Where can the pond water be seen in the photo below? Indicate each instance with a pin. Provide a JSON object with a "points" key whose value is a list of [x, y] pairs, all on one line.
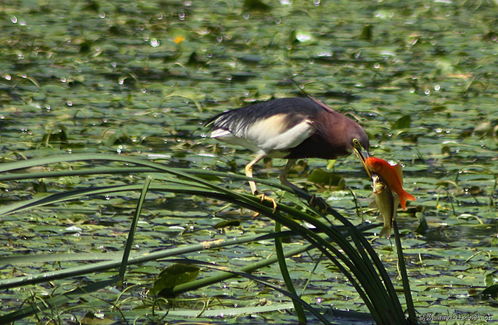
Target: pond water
{"points": [[139, 78]]}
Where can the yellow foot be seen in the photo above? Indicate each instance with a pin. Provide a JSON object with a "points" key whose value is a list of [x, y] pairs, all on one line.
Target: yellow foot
{"points": [[264, 197]]}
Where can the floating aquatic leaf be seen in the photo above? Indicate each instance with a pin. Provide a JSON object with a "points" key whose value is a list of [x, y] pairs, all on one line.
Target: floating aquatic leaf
{"points": [[227, 223], [172, 276], [325, 178], [491, 291], [403, 122], [301, 36], [257, 5]]}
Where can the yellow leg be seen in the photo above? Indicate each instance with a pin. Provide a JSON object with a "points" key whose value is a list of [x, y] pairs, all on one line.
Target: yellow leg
{"points": [[248, 168], [252, 184]]}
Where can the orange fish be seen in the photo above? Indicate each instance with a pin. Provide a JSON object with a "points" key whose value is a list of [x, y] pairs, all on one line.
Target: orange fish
{"points": [[391, 174]]}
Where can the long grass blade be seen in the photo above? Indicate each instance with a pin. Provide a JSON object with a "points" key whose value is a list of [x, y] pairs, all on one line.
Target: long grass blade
{"points": [[222, 276], [133, 229], [142, 258], [367, 262], [412, 316], [286, 276], [350, 252]]}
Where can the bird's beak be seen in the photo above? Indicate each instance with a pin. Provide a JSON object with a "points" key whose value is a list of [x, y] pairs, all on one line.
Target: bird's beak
{"points": [[362, 154]]}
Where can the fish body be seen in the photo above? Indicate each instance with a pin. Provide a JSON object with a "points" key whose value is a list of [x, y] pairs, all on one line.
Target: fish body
{"points": [[386, 203], [391, 175]]}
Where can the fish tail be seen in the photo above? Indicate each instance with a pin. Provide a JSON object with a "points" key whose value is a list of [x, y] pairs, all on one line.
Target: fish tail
{"points": [[386, 231], [405, 196]]}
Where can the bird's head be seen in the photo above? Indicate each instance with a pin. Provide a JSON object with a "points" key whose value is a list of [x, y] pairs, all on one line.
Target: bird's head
{"points": [[360, 148]]}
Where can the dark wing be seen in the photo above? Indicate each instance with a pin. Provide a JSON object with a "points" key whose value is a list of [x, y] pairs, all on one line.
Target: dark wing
{"points": [[295, 111], [275, 125]]}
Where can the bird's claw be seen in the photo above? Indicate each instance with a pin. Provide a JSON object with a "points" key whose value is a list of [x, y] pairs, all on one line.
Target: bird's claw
{"points": [[262, 197]]}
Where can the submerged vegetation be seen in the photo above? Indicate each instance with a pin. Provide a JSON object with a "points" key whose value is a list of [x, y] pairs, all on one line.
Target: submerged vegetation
{"points": [[115, 207]]}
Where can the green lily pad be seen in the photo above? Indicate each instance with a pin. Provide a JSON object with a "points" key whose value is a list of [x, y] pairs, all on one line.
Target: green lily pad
{"points": [[172, 276]]}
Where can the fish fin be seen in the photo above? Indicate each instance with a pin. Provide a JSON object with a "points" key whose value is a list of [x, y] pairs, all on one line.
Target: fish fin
{"points": [[406, 197], [402, 201]]}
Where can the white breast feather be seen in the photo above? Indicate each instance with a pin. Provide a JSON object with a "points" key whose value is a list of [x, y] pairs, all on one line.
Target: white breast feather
{"points": [[286, 140]]}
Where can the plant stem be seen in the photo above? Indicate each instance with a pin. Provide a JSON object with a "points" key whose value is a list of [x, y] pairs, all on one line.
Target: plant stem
{"points": [[412, 317], [285, 274]]}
